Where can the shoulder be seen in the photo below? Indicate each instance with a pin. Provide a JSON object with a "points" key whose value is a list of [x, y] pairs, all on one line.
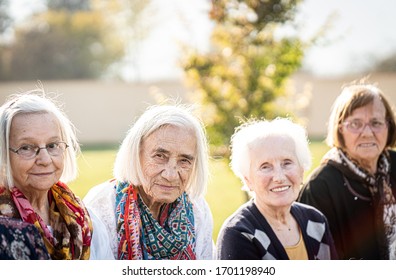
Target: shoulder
{"points": [[202, 212], [324, 172], [100, 244], [307, 211], [322, 179], [245, 218], [392, 155], [200, 203], [100, 202], [203, 228], [103, 190]]}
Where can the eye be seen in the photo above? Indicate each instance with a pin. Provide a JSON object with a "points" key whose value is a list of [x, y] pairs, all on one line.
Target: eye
{"points": [[376, 123], [356, 124], [288, 163], [159, 156], [53, 145], [265, 166], [27, 148], [185, 162]]}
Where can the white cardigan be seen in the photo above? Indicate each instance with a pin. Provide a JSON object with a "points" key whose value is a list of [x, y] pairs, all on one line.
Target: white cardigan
{"points": [[101, 200]]}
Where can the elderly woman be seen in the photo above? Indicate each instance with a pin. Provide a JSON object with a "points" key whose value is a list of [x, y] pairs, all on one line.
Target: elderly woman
{"points": [[355, 184], [270, 158], [154, 207], [38, 150]]}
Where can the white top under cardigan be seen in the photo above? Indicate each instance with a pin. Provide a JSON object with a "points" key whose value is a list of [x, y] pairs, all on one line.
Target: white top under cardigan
{"points": [[101, 199]]}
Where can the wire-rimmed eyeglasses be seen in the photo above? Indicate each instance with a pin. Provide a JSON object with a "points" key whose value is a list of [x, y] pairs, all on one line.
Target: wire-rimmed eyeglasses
{"points": [[30, 151], [357, 126]]}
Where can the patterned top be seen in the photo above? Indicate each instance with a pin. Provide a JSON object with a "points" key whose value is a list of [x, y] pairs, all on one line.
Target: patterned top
{"points": [[21, 241], [246, 235]]}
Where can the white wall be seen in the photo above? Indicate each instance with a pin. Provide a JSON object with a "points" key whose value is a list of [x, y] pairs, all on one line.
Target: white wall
{"points": [[103, 111]]}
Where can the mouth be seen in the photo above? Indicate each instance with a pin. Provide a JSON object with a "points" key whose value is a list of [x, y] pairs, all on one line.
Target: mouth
{"points": [[43, 174], [280, 189], [167, 187], [367, 145]]}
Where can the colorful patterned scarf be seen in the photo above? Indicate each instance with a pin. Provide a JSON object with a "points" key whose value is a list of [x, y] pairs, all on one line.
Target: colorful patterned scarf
{"points": [[141, 236], [381, 195], [71, 227]]}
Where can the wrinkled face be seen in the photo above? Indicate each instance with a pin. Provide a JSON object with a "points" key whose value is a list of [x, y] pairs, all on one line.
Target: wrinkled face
{"points": [[42, 171], [275, 174], [366, 146], [167, 158]]}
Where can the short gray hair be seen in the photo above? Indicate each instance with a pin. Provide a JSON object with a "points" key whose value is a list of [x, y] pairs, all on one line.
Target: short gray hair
{"points": [[127, 165], [35, 102], [252, 130]]}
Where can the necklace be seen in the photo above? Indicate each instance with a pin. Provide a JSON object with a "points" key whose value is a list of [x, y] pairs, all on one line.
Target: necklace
{"points": [[282, 229], [279, 226]]}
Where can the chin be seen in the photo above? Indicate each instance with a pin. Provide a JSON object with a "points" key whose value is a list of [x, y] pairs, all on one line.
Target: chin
{"points": [[167, 199]]}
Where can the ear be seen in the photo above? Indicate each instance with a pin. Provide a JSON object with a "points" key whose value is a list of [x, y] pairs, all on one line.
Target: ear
{"points": [[247, 182]]}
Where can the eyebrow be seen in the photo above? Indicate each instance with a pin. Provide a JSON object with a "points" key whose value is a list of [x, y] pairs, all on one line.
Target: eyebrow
{"points": [[187, 156], [31, 139], [371, 119]]}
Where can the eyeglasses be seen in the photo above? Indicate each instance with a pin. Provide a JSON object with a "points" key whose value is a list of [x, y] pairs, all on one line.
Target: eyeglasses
{"points": [[30, 151], [357, 126]]}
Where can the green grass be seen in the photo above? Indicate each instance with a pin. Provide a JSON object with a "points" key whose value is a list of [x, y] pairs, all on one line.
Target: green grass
{"points": [[224, 194]]}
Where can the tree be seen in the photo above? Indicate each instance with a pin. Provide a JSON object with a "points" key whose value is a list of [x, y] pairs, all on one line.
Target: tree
{"points": [[247, 69], [67, 42], [78, 39], [68, 5], [62, 45], [132, 20], [5, 19]]}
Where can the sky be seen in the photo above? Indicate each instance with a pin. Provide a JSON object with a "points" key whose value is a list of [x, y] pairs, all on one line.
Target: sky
{"points": [[360, 32]]}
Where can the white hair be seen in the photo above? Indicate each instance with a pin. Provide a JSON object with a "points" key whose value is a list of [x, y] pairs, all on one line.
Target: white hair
{"points": [[35, 102], [252, 130], [127, 165]]}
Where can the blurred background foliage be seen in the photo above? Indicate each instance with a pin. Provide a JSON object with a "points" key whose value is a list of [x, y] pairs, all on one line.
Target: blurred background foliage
{"points": [[247, 67], [68, 40], [94, 39]]}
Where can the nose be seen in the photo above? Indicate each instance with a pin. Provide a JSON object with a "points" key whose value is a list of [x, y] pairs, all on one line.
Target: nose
{"points": [[170, 172], [279, 175], [43, 157], [367, 129]]}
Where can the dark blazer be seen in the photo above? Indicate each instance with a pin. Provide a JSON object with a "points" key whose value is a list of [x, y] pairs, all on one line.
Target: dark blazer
{"points": [[349, 209]]}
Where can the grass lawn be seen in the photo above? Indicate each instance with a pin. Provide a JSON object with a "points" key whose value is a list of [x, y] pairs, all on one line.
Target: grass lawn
{"points": [[224, 194]]}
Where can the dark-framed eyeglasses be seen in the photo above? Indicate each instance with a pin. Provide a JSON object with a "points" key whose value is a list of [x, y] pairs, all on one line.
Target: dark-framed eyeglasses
{"points": [[30, 151], [357, 126]]}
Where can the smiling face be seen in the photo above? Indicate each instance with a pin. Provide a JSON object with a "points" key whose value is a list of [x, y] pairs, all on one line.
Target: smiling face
{"points": [[365, 147], [167, 158], [42, 171], [275, 173]]}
